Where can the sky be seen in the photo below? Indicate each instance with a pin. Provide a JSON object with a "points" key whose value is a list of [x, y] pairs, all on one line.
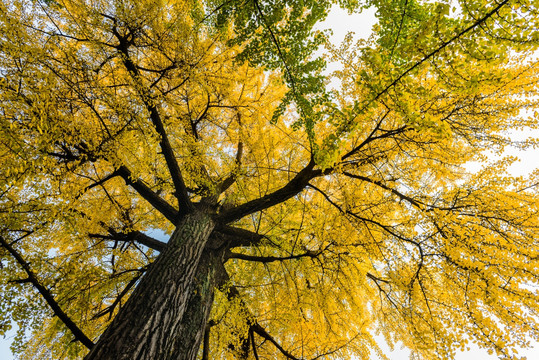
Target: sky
{"points": [[340, 22]]}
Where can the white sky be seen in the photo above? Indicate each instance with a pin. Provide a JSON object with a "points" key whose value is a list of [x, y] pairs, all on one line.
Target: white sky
{"points": [[341, 23]]}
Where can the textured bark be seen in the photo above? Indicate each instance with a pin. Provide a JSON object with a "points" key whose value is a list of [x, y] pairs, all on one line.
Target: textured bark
{"points": [[164, 318], [196, 317]]}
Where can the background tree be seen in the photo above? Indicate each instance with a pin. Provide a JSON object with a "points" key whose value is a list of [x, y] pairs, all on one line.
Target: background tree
{"points": [[302, 221]]}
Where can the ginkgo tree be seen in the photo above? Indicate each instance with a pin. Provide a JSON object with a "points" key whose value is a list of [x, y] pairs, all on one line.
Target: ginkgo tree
{"points": [[303, 221]]}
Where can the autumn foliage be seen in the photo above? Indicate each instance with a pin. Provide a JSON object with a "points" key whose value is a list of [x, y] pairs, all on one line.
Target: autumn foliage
{"points": [[324, 216]]}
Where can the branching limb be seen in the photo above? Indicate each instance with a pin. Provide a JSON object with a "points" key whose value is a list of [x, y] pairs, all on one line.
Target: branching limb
{"points": [[420, 205], [49, 298], [149, 195], [142, 189], [227, 182], [387, 228], [236, 237], [381, 290], [277, 45], [253, 344], [110, 309], [264, 334], [137, 236], [184, 202], [400, 195], [100, 182], [202, 116], [254, 326], [369, 138], [206, 341], [294, 187], [146, 240], [192, 131], [268, 259], [459, 35], [386, 134], [130, 236]]}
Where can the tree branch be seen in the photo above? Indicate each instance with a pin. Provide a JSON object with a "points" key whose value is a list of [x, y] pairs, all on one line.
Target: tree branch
{"points": [[386, 228], [477, 23], [252, 337], [142, 189], [227, 182], [137, 236], [253, 324], [146, 240], [206, 341], [263, 333], [402, 196], [110, 309], [97, 183], [416, 203], [277, 45], [149, 195], [294, 187], [268, 259], [184, 203], [239, 237], [77, 332], [368, 139]]}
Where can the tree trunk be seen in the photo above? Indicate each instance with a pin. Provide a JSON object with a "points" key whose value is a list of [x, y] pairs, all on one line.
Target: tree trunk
{"points": [[195, 319], [165, 317]]}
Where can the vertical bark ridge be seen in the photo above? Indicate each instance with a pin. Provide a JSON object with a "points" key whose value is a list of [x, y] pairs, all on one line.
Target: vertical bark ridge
{"points": [[196, 317], [154, 321]]}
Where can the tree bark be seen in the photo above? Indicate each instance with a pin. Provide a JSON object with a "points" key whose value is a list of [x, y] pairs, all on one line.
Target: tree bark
{"points": [[165, 317], [196, 317]]}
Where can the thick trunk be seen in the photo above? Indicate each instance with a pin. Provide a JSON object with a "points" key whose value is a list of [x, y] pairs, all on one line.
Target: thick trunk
{"points": [[195, 319], [165, 317]]}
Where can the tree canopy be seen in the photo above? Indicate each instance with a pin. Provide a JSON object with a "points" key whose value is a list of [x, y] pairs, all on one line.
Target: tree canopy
{"points": [[305, 220]]}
